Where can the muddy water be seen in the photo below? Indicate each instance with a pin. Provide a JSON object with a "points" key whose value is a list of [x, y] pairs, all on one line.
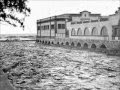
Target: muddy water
{"points": [[56, 68]]}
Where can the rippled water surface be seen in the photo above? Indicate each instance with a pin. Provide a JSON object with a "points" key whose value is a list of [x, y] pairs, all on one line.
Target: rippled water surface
{"points": [[42, 67]]}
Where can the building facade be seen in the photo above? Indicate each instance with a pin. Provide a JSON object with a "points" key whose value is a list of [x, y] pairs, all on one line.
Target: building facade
{"points": [[84, 30]]}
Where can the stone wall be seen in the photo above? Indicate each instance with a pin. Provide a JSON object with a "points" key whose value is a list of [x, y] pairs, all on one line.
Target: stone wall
{"points": [[81, 43]]}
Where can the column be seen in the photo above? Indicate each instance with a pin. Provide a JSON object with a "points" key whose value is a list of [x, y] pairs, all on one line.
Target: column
{"points": [[50, 27], [65, 28], [40, 29], [55, 26]]}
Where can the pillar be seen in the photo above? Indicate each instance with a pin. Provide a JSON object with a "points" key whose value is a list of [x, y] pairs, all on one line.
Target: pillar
{"points": [[50, 27]]}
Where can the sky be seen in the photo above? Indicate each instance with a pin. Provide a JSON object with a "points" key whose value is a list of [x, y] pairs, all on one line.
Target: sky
{"points": [[46, 8]]}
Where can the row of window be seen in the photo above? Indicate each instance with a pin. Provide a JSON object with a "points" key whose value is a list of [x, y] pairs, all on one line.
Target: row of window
{"points": [[103, 32], [61, 26], [46, 27]]}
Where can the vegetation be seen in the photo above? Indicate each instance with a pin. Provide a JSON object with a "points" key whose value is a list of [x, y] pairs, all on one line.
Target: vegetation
{"points": [[14, 12]]}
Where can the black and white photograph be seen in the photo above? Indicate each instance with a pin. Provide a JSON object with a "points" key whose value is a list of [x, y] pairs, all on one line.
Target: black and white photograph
{"points": [[59, 44]]}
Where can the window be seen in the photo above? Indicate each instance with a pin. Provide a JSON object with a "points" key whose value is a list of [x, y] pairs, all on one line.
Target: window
{"points": [[41, 27], [114, 32], [44, 28], [47, 27], [61, 26], [52, 26], [38, 27]]}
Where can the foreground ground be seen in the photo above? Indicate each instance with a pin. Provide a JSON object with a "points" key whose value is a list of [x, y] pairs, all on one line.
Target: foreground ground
{"points": [[31, 66]]}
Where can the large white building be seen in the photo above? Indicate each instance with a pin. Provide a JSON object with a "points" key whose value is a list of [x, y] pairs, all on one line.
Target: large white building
{"points": [[95, 26], [84, 28]]}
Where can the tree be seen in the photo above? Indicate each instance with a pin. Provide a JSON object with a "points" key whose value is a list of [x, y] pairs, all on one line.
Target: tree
{"points": [[14, 12]]}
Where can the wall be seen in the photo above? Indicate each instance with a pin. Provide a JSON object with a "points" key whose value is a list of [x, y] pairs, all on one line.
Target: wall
{"points": [[98, 43], [90, 26]]}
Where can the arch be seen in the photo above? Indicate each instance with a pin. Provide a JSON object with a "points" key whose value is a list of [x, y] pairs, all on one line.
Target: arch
{"points": [[79, 32], [48, 42], [57, 43], [86, 31], [94, 31], [42, 42], [67, 43], [72, 44], [78, 45], [45, 42], [93, 46], [37, 40], [104, 31], [85, 45], [52, 43], [103, 46], [62, 43], [73, 32]]}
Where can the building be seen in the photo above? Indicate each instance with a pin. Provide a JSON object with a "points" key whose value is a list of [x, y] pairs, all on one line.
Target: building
{"points": [[53, 27], [85, 30]]}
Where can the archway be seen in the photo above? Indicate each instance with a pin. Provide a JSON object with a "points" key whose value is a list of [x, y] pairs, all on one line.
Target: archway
{"points": [[73, 32], [93, 46], [72, 44], [62, 43], [45, 42], [103, 46], [57, 43], [79, 32], [78, 45], [94, 31], [85, 45], [42, 42], [67, 43], [37, 40], [52, 43], [86, 31], [49, 43], [104, 31]]}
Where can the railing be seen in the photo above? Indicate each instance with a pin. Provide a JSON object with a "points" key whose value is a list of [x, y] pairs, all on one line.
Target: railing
{"points": [[89, 37]]}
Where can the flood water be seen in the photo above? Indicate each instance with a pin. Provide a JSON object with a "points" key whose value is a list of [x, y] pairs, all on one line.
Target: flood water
{"points": [[43, 67]]}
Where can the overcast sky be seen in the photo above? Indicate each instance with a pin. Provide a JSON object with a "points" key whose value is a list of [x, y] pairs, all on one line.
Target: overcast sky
{"points": [[46, 8]]}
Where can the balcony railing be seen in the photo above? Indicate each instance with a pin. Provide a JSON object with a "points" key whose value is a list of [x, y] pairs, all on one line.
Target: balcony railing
{"points": [[89, 37]]}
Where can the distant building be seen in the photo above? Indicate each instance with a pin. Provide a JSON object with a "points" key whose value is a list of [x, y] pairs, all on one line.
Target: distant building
{"points": [[83, 28]]}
